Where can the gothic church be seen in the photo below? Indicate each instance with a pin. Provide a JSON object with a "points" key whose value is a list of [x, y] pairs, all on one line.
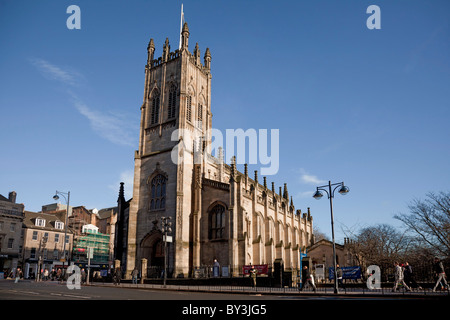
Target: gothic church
{"points": [[217, 212]]}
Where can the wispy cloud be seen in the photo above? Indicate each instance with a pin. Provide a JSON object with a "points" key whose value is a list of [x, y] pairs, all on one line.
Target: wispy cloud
{"points": [[309, 178], [116, 128], [107, 125], [53, 72]]}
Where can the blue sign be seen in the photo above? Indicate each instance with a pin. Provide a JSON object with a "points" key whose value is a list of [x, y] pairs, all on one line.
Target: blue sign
{"points": [[352, 273]]}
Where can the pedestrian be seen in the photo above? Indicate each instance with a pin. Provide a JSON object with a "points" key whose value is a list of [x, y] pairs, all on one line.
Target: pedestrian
{"points": [[59, 275], [253, 273], [134, 275], [399, 278], [340, 276], [216, 268], [439, 272], [45, 275], [409, 276], [307, 279], [83, 276], [18, 275]]}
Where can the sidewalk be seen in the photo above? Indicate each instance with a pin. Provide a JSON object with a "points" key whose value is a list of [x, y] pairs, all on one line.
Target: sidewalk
{"points": [[321, 291]]}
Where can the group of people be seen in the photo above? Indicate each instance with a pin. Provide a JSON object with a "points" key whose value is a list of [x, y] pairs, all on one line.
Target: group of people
{"points": [[404, 275]]}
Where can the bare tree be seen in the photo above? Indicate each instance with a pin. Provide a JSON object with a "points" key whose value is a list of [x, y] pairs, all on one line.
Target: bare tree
{"points": [[429, 219]]}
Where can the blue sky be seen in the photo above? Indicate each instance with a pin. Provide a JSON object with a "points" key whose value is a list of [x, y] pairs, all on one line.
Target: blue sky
{"points": [[367, 107]]}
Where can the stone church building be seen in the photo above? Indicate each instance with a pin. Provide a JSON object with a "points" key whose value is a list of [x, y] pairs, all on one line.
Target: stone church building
{"points": [[216, 211]]}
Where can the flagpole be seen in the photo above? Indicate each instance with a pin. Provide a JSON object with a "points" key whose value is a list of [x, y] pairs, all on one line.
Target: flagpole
{"points": [[181, 25]]}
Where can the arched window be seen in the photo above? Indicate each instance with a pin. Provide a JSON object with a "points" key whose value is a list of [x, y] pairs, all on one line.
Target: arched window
{"points": [[189, 108], [158, 193], [199, 115], [172, 101], [155, 108], [217, 222]]}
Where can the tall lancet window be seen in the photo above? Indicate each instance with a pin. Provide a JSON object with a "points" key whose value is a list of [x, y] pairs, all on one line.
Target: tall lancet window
{"points": [[155, 108], [158, 193], [217, 222], [199, 115], [189, 108], [172, 101]]}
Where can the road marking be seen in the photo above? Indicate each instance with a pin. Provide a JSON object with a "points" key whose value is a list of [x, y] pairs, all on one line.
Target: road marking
{"points": [[29, 292], [75, 296]]}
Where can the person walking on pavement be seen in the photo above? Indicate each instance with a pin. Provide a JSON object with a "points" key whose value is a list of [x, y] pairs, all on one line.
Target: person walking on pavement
{"points": [[439, 271], [18, 275], [409, 277], [340, 276], [134, 275], [307, 279], [253, 273], [399, 278]]}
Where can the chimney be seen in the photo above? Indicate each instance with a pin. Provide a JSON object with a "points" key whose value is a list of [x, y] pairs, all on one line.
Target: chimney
{"points": [[12, 196]]}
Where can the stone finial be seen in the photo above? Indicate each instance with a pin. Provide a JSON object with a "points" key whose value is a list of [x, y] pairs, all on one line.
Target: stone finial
{"points": [[265, 182], [256, 176], [166, 50], [185, 36], [207, 59], [285, 192], [150, 51], [245, 169]]}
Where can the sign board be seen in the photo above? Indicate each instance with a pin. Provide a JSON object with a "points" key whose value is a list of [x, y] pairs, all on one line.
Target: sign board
{"points": [[261, 268], [167, 238], [353, 273], [90, 253], [320, 272]]}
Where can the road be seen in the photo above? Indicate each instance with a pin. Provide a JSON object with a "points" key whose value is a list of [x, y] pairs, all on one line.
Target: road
{"points": [[111, 301]]}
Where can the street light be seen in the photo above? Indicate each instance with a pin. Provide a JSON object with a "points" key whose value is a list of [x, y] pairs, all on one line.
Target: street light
{"points": [[166, 227], [56, 197], [330, 192]]}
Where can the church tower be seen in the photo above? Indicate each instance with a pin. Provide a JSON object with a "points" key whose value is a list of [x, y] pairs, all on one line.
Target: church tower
{"points": [[176, 108]]}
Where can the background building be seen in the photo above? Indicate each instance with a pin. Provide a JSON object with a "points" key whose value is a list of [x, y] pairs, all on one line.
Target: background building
{"points": [[11, 238], [44, 241]]}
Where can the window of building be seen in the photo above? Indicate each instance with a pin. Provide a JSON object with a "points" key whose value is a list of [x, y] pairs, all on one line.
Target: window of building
{"points": [[10, 243], [172, 101], [158, 193], [56, 237], [67, 239], [40, 222], [155, 108], [189, 108], [217, 222], [12, 227], [55, 254], [199, 115], [33, 253], [35, 235], [59, 225]]}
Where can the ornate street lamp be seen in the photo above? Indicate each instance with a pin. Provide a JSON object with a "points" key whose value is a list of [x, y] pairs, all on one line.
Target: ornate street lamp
{"points": [[56, 197], [166, 228], [330, 192]]}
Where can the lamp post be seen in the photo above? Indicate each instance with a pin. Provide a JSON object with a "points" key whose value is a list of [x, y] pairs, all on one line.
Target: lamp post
{"points": [[56, 197], [330, 192], [166, 228]]}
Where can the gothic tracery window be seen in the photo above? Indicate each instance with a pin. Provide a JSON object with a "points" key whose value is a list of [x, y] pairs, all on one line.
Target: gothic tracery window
{"points": [[158, 193], [189, 108], [155, 108], [217, 222], [172, 101]]}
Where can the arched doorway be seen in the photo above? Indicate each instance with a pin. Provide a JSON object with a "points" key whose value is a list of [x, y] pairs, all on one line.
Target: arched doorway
{"points": [[153, 250]]}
